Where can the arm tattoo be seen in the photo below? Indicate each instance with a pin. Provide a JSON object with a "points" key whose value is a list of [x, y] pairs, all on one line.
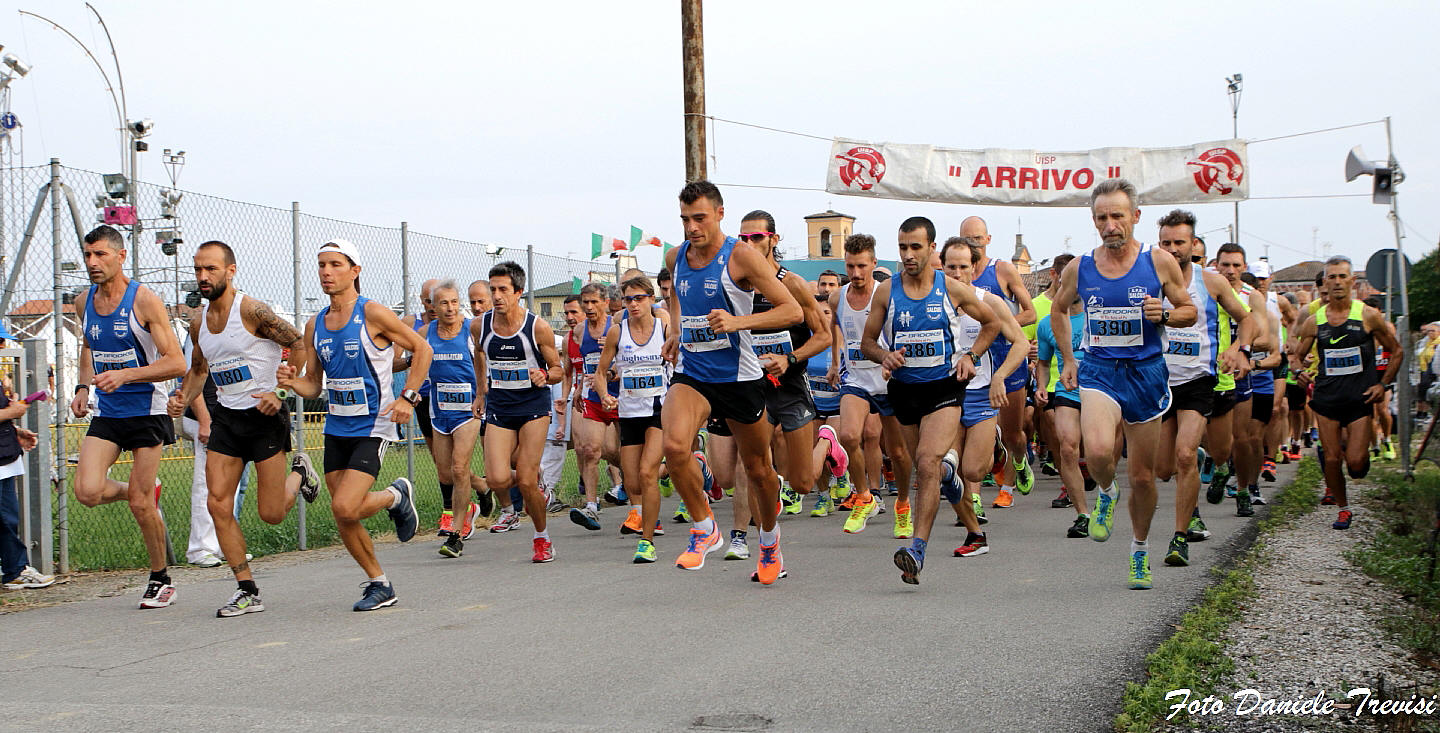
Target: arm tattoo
{"points": [[272, 327]]}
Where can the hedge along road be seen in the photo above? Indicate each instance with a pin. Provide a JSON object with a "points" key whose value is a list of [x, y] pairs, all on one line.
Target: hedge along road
{"points": [[1040, 632]]}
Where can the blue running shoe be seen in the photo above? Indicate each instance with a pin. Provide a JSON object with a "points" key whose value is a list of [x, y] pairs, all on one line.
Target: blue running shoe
{"points": [[950, 478], [377, 595], [1102, 520], [705, 474], [1207, 466], [910, 563], [403, 513]]}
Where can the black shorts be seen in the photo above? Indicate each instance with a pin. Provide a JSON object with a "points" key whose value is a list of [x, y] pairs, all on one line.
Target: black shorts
{"points": [[510, 422], [914, 400], [422, 416], [717, 427], [1224, 403], [743, 402], [354, 454], [130, 433], [790, 405], [248, 434], [1262, 407], [633, 429], [1343, 412], [1058, 401], [1295, 396], [1197, 395]]}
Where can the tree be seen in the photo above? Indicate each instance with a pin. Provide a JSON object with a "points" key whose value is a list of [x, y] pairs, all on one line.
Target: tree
{"points": [[1425, 290]]}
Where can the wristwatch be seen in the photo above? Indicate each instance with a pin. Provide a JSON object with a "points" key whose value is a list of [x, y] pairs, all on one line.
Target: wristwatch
{"points": [[791, 360], [282, 394], [1164, 317], [974, 357], [411, 396]]}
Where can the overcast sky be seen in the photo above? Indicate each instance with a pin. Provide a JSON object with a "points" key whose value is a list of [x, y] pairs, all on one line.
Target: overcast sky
{"points": [[539, 123]]}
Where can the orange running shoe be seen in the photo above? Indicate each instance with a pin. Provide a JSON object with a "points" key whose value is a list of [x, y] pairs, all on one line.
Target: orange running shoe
{"points": [[632, 523], [771, 566], [850, 501], [1003, 500], [447, 524], [701, 544]]}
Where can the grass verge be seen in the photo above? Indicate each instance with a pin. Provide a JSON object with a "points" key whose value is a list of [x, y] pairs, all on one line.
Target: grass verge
{"points": [[1193, 657], [1401, 554]]}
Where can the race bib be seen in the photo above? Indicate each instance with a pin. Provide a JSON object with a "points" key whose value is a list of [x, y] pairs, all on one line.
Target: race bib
{"points": [[232, 376], [108, 361], [592, 362], [453, 396], [645, 381], [347, 397], [922, 348], [1116, 326], [696, 335], [1340, 362], [1183, 345], [777, 343], [855, 358], [509, 374], [820, 389]]}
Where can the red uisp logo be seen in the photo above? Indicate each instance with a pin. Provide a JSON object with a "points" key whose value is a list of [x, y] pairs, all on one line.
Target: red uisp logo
{"points": [[862, 166], [1218, 170]]}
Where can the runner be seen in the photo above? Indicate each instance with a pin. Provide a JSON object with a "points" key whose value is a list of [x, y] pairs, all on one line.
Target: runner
{"points": [[479, 294], [863, 390], [126, 354], [452, 393], [927, 371], [237, 342], [1063, 404], [972, 453], [785, 355], [1382, 447], [1236, 431], [717, 370], [515, 362], [352, 339], [827, 283], [552, 461], [632, 353], [593, 427], [828, 457], [1124, 379], [1041, 417], [1344, 333], [1001, 278], [1194, 358]]}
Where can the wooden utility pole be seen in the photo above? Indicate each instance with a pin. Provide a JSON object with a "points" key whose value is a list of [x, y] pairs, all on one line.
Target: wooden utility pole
{"points": [[692, 53]]}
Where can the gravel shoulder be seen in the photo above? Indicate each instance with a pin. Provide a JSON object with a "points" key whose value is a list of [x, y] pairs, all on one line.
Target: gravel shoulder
{"points": [[1314, 628]]}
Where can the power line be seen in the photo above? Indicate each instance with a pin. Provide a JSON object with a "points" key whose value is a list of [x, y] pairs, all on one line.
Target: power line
{"points": [[1277, 244], [1311, 196], [776, 188], [713, 118], [1315, 132]]}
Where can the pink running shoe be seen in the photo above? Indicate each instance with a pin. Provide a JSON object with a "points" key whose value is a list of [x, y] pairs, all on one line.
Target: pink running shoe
{"points": [[837, 458]]}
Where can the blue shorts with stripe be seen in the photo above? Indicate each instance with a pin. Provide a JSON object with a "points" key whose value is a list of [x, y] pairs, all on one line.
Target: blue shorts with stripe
{"points": [[1141, 389]]}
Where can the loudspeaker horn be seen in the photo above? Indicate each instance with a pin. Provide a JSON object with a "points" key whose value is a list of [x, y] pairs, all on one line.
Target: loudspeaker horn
{"points": [[1356, 165]]}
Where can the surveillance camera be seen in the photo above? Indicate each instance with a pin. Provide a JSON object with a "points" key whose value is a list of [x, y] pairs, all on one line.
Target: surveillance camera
{"points": [[141, 128]]}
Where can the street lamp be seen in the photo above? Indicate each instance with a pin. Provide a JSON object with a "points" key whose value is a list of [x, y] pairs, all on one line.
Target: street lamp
{"points": [[1233, 86]]}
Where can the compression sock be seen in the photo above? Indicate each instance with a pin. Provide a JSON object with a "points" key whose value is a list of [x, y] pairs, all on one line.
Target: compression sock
{"points": [[445, 490]]}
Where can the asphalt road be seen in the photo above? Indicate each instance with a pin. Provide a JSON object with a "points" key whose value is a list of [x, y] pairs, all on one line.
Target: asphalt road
{"points": [[1040, 634]]}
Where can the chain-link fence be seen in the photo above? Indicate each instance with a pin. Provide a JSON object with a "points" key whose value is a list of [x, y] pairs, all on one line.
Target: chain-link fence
{"points": [[41, 226]]}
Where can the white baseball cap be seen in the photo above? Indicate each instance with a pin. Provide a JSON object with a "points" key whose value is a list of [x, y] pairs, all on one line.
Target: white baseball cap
{"points": [[1260, 269], [344, 247]]}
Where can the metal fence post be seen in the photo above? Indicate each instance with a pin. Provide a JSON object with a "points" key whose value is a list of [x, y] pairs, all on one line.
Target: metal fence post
{"points": [[530, 277], [36, 528], [298, 409], [412, 426], [57, 316]]}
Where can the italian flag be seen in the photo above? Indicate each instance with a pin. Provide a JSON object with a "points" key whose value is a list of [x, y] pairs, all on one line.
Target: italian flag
{"points": [[640, 237], [599, 242]]}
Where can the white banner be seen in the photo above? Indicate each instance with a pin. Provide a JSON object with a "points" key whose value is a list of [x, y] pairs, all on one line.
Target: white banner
{"points": [[1200, 173]]}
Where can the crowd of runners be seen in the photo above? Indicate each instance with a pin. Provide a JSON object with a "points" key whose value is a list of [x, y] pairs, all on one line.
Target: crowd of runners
{"points": [[729, 377]]}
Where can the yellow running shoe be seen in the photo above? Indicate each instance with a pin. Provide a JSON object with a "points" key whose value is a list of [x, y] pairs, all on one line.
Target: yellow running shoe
{"points": [[904, 530], [856, 522]]}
